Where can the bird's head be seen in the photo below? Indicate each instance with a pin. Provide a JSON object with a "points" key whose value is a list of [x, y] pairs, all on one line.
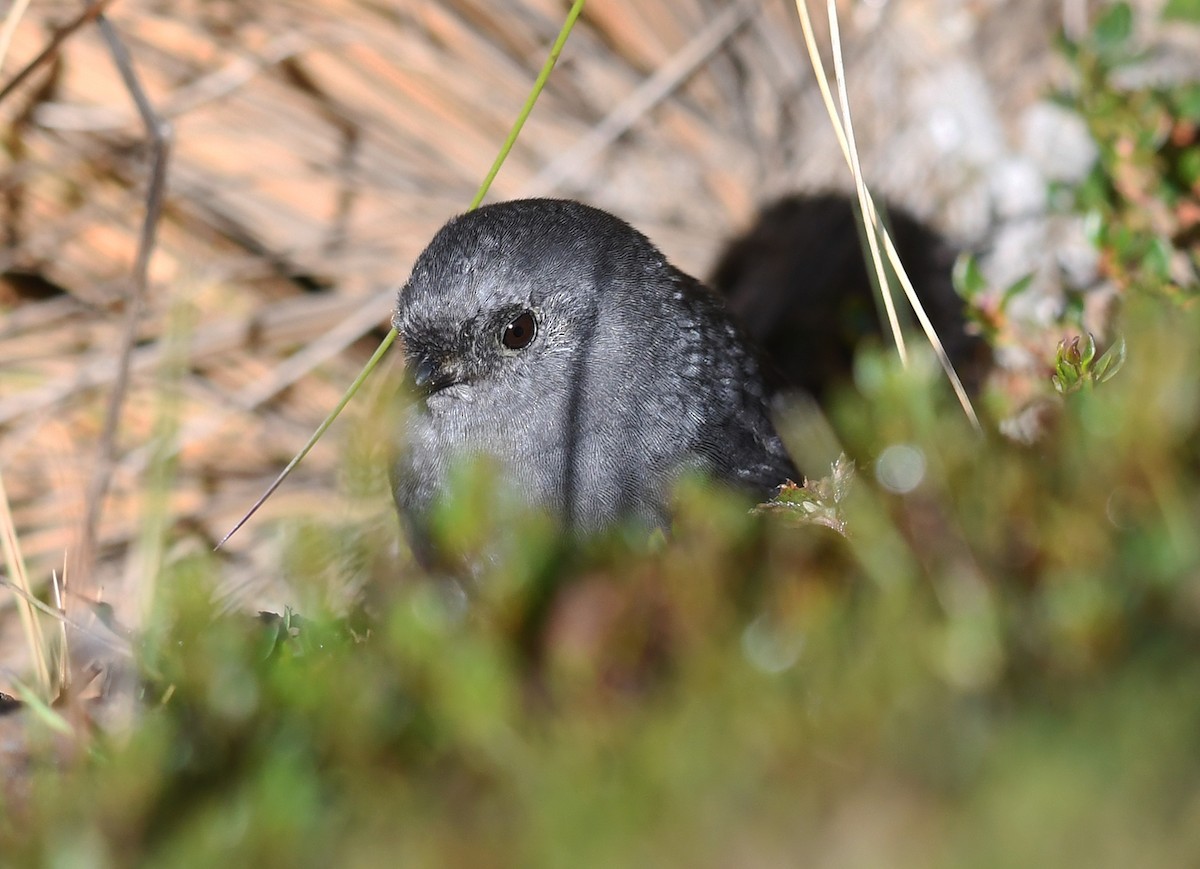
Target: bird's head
{"points": [[502, 302]]}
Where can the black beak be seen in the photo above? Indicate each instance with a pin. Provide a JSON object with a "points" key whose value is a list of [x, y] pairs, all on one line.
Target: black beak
{"points": [[431, 374], [424, 372]]}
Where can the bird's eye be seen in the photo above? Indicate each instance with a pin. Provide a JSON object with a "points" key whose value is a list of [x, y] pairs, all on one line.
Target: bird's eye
{"points": [[519, 332]]}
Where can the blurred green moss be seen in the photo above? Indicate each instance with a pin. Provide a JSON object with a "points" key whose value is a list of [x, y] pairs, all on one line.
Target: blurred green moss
{"points": [[993, 667]]}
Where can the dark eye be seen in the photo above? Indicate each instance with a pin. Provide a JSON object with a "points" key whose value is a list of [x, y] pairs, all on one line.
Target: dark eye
{"points": [[519, 332]]}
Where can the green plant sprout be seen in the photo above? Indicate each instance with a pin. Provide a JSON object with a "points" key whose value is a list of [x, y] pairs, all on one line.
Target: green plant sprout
{"points": [[1073, 365]]}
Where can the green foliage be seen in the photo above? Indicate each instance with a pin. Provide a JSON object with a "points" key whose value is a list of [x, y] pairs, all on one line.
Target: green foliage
{"points": [[1143, 196], [995, 666]]}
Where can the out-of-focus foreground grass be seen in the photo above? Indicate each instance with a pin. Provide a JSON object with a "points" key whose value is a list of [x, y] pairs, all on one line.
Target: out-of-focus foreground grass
{"points": [[996, 667]]}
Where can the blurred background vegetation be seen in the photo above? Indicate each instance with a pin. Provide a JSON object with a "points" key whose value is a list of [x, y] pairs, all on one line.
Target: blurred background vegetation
{"points": [[994, 665]]}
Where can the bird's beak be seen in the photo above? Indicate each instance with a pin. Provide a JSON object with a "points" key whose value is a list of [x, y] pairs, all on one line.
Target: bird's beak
{"points": [[424, 372], [433, 373]]}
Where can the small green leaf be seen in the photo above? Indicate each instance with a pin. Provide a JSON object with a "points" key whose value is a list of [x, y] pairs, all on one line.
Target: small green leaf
{"points": [[1110, 363], [1158, 257], [1093, 227], [968, 279], [1182, 10], [1015, 289], [1113, 28], [1087, 353]]}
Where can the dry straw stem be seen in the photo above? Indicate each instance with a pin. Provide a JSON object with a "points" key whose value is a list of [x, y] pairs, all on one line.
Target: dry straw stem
{"points": [[159, 132], [19, 581], [11, 20], [64, 657], [90, 13], [843, 128]]}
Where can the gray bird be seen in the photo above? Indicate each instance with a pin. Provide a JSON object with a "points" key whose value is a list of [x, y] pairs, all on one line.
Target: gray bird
{"points": [[557, 341]]}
